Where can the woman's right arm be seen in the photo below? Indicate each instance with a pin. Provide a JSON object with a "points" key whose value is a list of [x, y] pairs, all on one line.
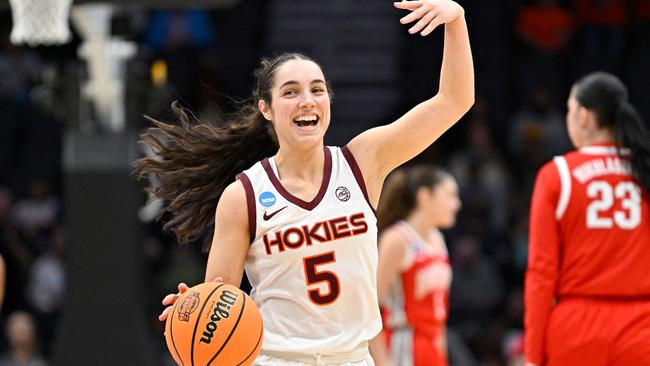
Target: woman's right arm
{"points": [[231, 238], [230, 243]]}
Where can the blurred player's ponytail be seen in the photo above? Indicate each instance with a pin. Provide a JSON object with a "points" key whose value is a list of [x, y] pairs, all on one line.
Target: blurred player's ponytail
{"points": [[398, 196], [195, 161], [607, 97]]}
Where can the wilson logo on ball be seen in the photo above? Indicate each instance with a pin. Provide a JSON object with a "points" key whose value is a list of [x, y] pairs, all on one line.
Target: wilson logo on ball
{"points": [[220, 311], [187, 306]]}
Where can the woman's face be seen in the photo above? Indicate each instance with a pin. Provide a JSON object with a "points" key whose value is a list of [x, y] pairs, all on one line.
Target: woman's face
{"points": [[573, 120], [445, 203], [300, 107]]}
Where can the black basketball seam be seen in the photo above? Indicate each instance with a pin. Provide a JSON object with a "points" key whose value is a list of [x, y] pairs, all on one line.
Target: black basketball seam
{"points": [[232, 330], [259, 339], [196, 325], [171, 332]]}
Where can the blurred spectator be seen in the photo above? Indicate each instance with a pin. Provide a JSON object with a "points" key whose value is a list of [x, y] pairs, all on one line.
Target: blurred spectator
{"points": [[545, 26], [482, 176], [172, 29], [513, 348], [3, 279], [512, 339], [546, 29], [5, 207], [46, 287], [15, 255], [184, 40], [22, 341], [602, 33], [476, 290], [459, 353], [36, 213], [537, 133], [19, 69], [519, 240]]}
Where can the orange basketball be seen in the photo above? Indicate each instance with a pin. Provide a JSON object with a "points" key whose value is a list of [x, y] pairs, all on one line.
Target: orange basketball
{"points": [[214, 324]]}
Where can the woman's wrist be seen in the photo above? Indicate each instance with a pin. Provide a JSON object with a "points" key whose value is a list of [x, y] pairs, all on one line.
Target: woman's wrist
{"points": [[460, 16]]}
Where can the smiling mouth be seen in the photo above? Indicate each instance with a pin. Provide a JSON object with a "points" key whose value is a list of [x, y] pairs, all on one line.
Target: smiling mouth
{"points": [[306, 121]]}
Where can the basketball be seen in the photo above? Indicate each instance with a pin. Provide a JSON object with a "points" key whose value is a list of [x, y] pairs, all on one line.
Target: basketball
{"points": [[214, 323]]}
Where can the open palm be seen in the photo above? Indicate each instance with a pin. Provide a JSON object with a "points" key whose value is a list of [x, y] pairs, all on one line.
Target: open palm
{"points": [[429, 14]]}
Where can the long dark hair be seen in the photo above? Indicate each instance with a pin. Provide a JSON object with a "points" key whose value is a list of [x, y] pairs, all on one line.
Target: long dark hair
{"points": [[398, 197], [607, 97], [195, 161]]}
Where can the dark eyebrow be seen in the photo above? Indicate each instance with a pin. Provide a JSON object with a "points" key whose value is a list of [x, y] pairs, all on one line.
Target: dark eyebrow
{"points": [[295, 82]]}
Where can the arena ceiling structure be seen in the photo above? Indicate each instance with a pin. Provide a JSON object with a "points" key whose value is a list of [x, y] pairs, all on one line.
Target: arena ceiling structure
{"points": [[153, 4]]}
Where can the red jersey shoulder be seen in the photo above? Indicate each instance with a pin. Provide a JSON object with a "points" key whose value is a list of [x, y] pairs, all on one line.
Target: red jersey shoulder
{"points": [[548, 170], [548, 176], [575, 155]]}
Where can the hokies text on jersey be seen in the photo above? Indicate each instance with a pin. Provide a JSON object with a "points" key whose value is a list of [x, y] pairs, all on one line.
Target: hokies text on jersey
{"points": [[321, 232]]}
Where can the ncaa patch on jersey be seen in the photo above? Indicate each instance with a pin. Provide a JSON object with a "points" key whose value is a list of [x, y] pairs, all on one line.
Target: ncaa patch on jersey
{"points": [[343, 194], [267, 199]]}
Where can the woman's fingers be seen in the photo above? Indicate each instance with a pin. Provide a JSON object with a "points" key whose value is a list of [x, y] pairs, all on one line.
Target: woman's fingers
{"points": [[422, 23], [414, 15], [182, 287], [407, 5], [170, 299], [162, 317], [218, 279], [432, 25]]}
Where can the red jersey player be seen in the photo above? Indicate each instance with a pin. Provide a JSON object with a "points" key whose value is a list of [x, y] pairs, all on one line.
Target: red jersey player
{"points": [[414, 274], [587, 291]]}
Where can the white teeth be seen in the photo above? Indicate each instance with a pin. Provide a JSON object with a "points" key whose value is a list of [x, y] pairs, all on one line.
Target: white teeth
{"points": [[310, 118]]}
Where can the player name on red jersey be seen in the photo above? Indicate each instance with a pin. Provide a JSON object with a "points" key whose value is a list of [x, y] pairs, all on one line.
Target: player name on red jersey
{"points": [[322, 232], [600, 167]]}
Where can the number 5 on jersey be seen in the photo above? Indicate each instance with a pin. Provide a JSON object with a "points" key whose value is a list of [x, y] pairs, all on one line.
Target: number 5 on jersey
{"points": [[313, 276]]}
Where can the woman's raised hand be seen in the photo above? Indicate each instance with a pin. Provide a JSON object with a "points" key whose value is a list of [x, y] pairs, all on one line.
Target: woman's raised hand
{"points": [[431, 13]]}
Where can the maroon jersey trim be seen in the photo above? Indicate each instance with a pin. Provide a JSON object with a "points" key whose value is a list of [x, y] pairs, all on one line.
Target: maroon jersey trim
{"points": [[327, 172], [250, 204], [352, 162]]}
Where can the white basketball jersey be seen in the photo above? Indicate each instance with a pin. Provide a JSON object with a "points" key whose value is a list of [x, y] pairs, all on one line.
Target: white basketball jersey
{"points": [[312, 265]]}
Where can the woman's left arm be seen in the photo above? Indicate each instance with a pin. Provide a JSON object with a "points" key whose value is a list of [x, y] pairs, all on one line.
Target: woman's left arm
{"points": [[380, 150]]}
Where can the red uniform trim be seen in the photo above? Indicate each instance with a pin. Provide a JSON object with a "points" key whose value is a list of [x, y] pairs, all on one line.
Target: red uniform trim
{"points": [[250, 204], [352, 162], [327, 172]]}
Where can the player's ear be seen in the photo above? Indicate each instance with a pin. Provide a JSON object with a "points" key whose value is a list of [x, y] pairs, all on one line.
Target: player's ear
{"points": [[586, 118], [265, 109], [592, 119], [422, 195]]}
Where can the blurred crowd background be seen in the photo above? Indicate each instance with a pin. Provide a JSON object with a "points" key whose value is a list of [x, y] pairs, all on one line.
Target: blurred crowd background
{"points": [[527, 54]]}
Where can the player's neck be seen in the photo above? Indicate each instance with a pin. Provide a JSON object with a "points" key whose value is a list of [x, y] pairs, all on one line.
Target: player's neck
{"points": [[307, 164], [421, 223], [601, 136]]}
